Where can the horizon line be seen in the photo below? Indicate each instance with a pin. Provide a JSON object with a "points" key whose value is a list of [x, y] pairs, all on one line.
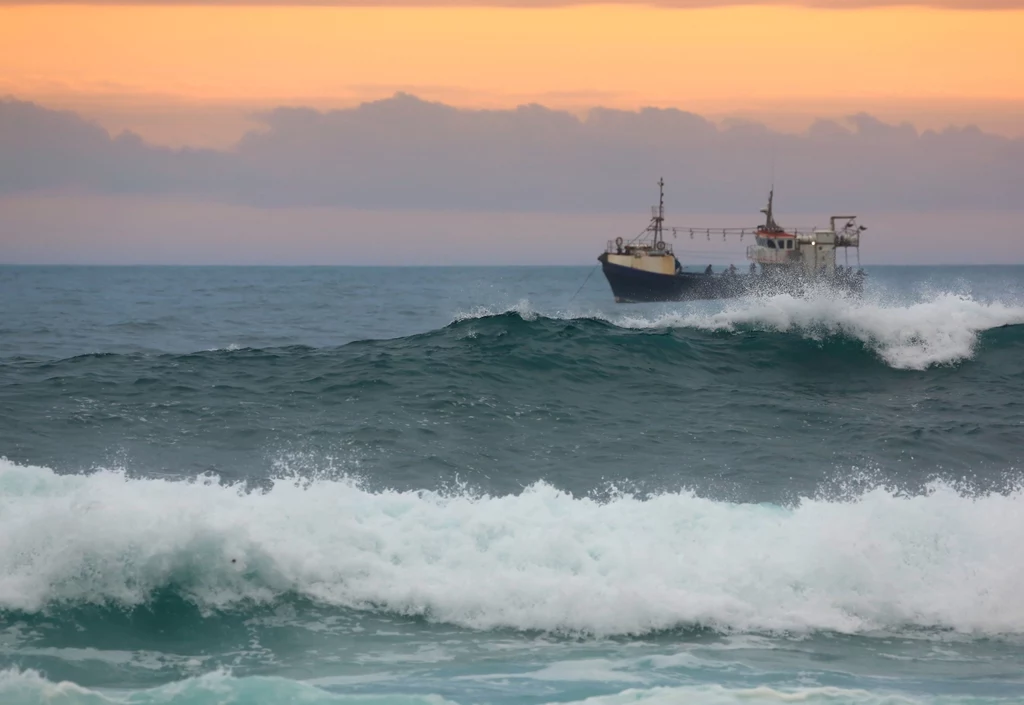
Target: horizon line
{"points": [[151, 265]]}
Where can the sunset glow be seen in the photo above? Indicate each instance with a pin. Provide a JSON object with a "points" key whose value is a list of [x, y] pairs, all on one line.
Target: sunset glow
{"points": [[611, 55], [431, 105]]}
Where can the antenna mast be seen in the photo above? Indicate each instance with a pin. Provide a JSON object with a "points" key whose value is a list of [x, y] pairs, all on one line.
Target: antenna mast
{"points": [[770, 224], [661, 211]]}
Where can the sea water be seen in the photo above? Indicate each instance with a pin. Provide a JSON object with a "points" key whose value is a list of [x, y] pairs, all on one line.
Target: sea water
{"points": [[458, 485]]}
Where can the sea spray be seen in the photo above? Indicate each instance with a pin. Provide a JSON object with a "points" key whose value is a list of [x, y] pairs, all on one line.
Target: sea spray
{"points": [[538, 560], [939, 328]]}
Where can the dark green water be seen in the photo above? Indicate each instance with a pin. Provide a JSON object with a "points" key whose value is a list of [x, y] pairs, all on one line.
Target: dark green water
{"points": [[309, 485]]}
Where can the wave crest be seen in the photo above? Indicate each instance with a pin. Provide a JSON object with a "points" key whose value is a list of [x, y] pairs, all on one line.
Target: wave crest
{"points": [[941, 329], [538, 560]]}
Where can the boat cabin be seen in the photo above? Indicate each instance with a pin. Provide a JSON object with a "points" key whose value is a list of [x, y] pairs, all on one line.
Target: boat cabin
{"points": [[808, 252]]}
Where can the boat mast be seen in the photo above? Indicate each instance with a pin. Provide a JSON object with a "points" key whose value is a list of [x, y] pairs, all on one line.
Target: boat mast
{"points": [[660, 218], [770, 224]]}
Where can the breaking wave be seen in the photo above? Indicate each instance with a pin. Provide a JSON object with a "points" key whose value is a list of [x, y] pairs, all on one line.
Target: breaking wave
{"points": [[538, 560], [942, 329]]}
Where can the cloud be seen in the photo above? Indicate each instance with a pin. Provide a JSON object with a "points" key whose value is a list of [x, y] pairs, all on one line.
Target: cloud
{"points": [[405, 153], [681, 4]]}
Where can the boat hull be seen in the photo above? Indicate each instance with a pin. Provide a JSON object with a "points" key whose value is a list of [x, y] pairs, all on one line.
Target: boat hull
{"points": [[631, 285], [637, 286]]}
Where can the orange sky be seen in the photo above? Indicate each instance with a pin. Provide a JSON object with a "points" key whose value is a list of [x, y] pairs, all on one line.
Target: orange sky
{"points": [[624, 56]]}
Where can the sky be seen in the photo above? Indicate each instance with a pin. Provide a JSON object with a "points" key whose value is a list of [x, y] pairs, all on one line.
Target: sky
{"points": [[465, 112]]}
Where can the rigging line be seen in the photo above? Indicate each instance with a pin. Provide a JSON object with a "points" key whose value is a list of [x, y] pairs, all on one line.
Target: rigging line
{"points": [[717, 253], [686, 229], [584, 283], [715, 258]]}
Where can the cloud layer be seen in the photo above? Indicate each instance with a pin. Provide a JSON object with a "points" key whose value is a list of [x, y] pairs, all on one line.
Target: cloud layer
{"points": [[404, 153]]}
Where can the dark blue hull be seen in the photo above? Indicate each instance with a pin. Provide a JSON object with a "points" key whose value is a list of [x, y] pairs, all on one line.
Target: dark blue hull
{"points": [[636, 286]]}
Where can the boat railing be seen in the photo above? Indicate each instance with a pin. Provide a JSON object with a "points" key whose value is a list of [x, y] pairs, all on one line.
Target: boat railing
{"points": [[622, 247], [847, 237]]}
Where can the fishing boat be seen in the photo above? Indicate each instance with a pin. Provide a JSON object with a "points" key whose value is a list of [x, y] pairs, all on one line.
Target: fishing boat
{"points": [[645, 269]]}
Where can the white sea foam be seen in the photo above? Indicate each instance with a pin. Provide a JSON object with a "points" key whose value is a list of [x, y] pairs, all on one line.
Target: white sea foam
{"points": [[31, 688], [939, 330], [717, 695], [523, 308], [540, 560], [935, 329]]}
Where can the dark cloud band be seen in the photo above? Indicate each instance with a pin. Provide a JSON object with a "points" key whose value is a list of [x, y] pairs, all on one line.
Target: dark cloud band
{"points": [[407, 153]]}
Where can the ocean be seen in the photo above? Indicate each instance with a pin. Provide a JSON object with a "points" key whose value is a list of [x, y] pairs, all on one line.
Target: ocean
{"points": [[256, 486]]}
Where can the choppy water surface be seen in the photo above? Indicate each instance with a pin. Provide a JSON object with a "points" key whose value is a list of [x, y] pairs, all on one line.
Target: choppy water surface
{"points": [[466, 485]]}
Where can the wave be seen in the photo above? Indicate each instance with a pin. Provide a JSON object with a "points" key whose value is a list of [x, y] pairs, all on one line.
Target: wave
{"points": [[31, 688], [538, 560], [939, 330], [748, 335], [718, 695]]}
